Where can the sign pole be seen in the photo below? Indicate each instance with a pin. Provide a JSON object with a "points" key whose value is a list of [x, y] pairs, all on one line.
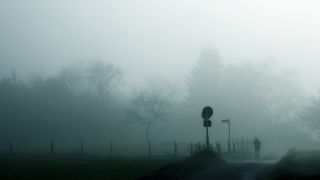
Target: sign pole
{"points": [[229, 137], [207, 139]]}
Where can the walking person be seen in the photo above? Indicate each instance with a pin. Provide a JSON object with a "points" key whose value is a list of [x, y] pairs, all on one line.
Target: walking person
{"points": [[257, 145], [218, 148]]}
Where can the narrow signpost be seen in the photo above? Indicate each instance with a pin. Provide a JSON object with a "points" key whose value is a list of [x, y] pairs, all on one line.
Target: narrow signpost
{"points": [[228, 121], [207, 112]]}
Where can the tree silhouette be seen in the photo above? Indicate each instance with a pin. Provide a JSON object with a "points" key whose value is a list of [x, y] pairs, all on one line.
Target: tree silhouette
{"points": [[147, 108], [252, 93], [311, 114], [103, 78]]}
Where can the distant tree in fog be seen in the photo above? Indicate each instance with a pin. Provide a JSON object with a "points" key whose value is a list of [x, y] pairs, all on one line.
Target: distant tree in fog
{"points": [[149, 106], [311, 115], [252, 93], [205, 75], [74, 78], [63, 105], [14, 105], [103, 78]]}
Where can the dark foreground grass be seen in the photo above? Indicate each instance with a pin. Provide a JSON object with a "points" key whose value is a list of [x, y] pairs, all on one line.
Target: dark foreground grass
{"points": [[182, 168], [298, 165], [78, 167]]}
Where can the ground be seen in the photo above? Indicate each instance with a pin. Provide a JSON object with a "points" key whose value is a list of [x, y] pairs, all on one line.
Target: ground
{"points": [[232, 171], [71, 167], [295, 165], [298, 165]]}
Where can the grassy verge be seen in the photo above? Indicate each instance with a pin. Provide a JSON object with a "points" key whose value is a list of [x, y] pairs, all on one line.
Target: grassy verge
{"points": [[78, 167], [298, 165], [185, 167]]}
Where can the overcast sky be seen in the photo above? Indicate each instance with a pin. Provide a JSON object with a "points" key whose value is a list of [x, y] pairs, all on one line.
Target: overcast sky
{"points": [[158, 37]]}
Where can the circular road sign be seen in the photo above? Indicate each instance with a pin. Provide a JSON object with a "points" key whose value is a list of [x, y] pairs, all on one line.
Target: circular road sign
{"points": [[207, 112]]}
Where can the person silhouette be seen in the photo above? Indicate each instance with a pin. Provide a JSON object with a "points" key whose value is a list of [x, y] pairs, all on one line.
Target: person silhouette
{"points": [[218, 148], [257, 145]]}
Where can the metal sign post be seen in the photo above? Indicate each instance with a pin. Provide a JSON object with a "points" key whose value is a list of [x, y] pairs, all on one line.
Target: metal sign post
{"points": [[207, 112], [228, 121]]}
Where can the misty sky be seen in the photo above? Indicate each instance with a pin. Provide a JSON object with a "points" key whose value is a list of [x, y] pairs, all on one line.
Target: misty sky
{"points": [[148, 38]]}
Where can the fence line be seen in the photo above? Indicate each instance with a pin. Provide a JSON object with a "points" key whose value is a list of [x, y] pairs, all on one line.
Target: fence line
{"points": [[113, 148]]}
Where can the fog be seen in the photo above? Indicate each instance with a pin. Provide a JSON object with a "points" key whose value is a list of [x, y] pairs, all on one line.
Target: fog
{"points": [[163, 36], [73, 69]]}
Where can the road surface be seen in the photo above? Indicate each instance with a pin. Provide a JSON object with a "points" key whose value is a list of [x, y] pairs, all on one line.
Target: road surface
{"points": [[242, 170]]}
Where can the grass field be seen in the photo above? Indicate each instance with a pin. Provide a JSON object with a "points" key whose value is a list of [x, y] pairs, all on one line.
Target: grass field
{"points": [[295, 165], [78, 167], [70, 167]]}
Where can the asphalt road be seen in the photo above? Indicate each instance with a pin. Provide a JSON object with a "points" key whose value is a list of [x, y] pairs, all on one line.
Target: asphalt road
{"points": [[244, 170]]}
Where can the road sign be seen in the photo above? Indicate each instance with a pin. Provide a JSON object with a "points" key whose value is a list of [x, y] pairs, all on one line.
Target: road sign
{"points": [[207, 112], [207, 123], [226, 121]]}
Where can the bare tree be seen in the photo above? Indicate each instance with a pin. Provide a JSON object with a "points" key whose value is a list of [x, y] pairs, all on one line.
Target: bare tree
{"points": [[147, 108]]}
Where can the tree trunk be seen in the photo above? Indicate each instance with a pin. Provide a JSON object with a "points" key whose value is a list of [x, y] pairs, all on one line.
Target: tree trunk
{"points": [[147, 134]]}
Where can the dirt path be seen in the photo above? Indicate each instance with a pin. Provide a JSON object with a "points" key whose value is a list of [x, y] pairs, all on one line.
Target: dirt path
{"points": [[245, 170]]}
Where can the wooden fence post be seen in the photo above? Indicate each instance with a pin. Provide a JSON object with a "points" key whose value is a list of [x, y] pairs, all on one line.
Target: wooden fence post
{"points": [[11, 147], [175, 149], [111, 148], [81, 146], [52, 146]]}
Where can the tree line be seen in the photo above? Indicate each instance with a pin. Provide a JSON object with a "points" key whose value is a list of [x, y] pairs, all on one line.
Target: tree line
{"points": [[87, 101]]}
